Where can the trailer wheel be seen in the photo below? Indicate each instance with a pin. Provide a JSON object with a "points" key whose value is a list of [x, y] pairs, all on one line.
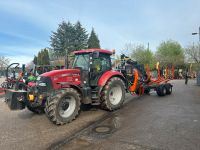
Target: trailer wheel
{"points": [[147, 91], [169, 89], [113, 94], [161, 90], [63, 107]]}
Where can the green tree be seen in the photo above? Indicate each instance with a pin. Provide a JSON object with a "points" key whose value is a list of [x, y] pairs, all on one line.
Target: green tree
{"points": [[170, 53], [93, 41], [68, 38], [140, 54], [63, 38], [35, 60], [81, 37], [43, 57], [39, 58], [46, 60]]}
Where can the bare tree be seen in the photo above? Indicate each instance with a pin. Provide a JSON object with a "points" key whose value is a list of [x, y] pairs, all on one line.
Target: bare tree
{"points": [[3, 61], [193, 53]]}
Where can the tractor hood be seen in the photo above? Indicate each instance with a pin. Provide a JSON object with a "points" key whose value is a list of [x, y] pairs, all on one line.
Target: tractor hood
{"points": [[59, 73], [62, 77]]}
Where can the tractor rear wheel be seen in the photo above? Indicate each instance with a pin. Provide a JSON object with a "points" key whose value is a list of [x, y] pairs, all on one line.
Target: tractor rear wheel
{"points": [[63, 107], [161, 90], [113, 94]]}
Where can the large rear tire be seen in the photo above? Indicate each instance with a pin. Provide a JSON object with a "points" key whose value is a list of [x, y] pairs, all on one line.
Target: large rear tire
{"points": [[63, 107], [113, 94]]}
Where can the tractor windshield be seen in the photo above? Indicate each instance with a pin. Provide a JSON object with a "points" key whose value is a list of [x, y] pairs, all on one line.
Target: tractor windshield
{"points": [[81, 61]]}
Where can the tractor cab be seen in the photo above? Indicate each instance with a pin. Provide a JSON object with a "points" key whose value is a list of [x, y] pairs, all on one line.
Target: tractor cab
{"points": [[93, 63]]}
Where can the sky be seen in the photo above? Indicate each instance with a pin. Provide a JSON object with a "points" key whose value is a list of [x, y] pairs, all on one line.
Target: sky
{"points": [[26, 25]]}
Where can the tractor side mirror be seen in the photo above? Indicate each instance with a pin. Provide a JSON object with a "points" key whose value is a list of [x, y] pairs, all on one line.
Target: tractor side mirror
{"points": [[95, 54]]}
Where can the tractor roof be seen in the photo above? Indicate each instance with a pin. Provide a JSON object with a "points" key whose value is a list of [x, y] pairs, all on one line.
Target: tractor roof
{"points": [[93, 50]]}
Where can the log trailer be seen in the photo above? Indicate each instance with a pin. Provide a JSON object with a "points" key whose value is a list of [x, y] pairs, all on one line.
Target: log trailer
{"points": [[59, 93]]}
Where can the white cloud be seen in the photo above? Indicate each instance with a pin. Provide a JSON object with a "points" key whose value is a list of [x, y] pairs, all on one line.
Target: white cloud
{"points": [[19, 51], [20, 59], [136, 21]]}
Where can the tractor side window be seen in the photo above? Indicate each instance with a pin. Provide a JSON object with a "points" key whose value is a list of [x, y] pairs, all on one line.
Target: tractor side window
{"points": [[82, 61], [102, 63], [106, 64]]}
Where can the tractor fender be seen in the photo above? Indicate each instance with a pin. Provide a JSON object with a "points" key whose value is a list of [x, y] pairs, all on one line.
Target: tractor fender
{"points": [[85, 97], [70, 85], [107, 75]]}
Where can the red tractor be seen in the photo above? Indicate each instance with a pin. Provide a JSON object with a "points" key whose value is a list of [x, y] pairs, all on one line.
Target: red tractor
{"points": [[90, 81]]}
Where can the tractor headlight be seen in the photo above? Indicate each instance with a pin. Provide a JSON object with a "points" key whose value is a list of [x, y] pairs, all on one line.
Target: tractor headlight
{"points": [[42, 84]]}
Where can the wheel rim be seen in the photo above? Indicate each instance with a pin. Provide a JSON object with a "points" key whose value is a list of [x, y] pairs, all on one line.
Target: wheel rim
{"points": [[164, 90], [67, 106], [115, 94], [170, 89]]}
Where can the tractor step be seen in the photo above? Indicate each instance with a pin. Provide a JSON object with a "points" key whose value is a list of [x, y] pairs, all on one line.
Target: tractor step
{"points": [[95, 101], [94, 95], [95, 98], [95, 104]]}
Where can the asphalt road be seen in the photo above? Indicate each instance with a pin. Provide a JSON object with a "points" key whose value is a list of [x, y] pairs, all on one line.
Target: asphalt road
{"points": [[23, 130], [149, 122]]}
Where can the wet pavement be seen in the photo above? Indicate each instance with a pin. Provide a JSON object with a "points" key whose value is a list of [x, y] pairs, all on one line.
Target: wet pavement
{"points": [[22, 130], [146, 123]]}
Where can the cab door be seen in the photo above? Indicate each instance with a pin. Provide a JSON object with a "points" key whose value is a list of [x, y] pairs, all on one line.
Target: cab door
{"points": [[99, 66]]}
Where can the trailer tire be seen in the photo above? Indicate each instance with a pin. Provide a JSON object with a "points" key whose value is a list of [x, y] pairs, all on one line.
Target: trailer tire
{"points": [[63, 106], [161, 90], [147, 91], [113, 94], [169, 89]]}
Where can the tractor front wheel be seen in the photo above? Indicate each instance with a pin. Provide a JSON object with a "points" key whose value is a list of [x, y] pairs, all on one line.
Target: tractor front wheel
{"points": [[63, 107], [113, 94]]}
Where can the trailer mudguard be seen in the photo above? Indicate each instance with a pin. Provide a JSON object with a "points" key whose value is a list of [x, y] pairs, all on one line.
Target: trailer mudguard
{"points": [[107, 75]]}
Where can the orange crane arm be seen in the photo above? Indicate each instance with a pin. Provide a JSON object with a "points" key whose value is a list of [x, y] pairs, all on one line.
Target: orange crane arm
{"points": [[135, 82]]}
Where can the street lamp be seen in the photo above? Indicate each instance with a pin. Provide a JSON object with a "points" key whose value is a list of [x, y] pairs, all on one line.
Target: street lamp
{"points": [[194, 33]]}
